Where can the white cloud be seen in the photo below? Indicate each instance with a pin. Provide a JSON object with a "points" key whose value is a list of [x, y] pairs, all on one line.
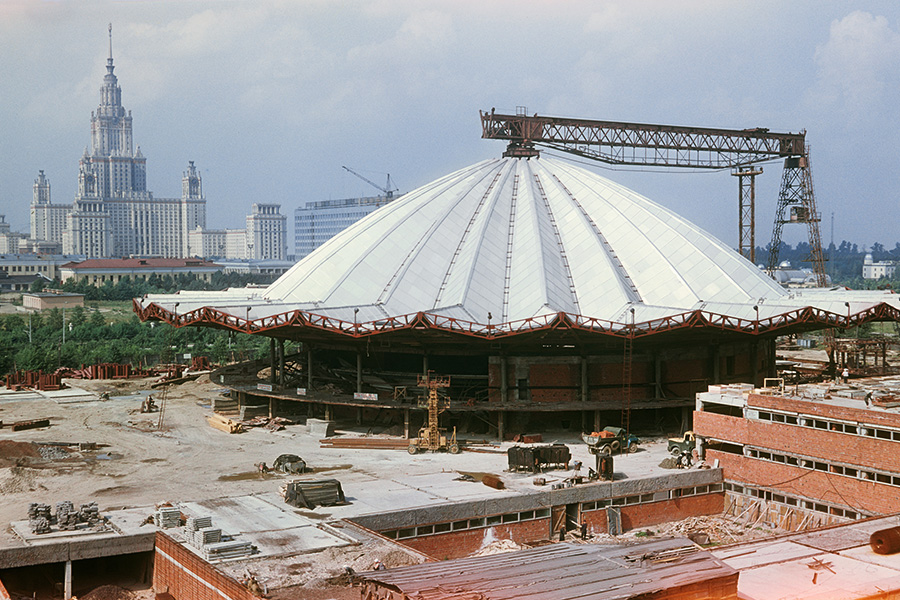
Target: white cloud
{"points": [[858, 65]]}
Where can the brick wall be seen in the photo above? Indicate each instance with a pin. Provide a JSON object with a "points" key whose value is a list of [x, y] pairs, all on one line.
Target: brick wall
{"points": [[824, 410], [185, 576], [794, 440], [463, 543], [861, 495], [654, 513], [721, 427]]}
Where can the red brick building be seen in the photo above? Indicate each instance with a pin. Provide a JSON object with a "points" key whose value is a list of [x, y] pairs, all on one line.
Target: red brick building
{"points": [[818, 453]]}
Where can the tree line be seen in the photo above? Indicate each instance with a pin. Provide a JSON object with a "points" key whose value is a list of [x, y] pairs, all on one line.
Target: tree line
{"points": [[35, 341], [128, 288], [843, 262]]}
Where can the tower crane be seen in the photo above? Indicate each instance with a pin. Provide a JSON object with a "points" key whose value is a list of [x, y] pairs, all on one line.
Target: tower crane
{"points": [[678, 146], [388, 190]]}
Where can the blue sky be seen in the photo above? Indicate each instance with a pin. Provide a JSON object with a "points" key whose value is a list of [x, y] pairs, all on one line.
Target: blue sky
{"points": [[271, 98]]}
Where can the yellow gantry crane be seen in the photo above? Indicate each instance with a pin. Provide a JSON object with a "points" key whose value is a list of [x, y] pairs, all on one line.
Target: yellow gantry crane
{"points": [[431, 436]]}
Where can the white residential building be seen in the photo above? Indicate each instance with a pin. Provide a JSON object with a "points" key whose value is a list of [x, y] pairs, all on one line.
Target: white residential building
{"points": [[266, 233], [877, 270]]}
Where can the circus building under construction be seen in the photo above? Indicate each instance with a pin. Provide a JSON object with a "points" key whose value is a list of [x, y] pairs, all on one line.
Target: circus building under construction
{"points": [[541, 288]]}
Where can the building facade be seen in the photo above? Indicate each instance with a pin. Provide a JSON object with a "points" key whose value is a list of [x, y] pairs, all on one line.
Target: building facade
{"points": [[113, 213], [317, 222], [99, 270], [826, 452], [266, 233], [877, 270]]}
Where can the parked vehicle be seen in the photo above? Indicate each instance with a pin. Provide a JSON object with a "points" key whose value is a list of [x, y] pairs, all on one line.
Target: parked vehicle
{"points": [[610, 440], [683, 445]]}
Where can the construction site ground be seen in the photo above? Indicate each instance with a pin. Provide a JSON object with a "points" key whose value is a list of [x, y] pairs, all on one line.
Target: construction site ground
{"points": [[140, 462]]}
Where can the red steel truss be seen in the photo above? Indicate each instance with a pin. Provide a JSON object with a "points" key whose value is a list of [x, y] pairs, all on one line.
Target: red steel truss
{"points": [[290, 324]]}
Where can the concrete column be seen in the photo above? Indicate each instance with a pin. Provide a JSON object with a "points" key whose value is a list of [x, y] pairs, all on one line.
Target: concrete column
{"points": [[754, 362], [309, 369], [500, 427], [657, 377], [406, 423], [424, 364], [281, 362], [273, 366], [328, 412], [359, 371], [716, 374], [359, 415], [504, 381], [67, 582], [585, 391], [271, 407], [597, 425]]}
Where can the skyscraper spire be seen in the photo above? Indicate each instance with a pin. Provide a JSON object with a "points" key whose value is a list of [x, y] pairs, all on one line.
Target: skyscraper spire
{"points": [[109, 61]]}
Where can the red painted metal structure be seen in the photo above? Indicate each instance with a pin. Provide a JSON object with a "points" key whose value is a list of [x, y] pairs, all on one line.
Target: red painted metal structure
{"points": [[35, 380], [288, 324]]}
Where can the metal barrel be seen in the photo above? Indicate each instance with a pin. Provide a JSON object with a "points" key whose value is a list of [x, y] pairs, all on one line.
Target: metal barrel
{"points": [[886, 541]]}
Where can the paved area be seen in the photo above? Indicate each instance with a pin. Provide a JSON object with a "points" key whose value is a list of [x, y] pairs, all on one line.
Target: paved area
{"points": [[139, 464]]}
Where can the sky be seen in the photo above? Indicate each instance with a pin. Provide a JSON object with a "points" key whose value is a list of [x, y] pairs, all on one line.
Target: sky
{"points": [[271, 98]]}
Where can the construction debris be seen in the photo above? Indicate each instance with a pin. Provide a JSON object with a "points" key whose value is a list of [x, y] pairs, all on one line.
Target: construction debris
{"points": [[225, 424], [33, 424], [309, 494], [365, 443], [289, 463], [270, 424]]}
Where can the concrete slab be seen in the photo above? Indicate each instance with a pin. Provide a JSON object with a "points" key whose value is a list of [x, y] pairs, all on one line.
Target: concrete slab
{"points": [[55, 536], [865, 553], [295, 540], [831, 576], [244, 514], [749, 556], [70, 395]]}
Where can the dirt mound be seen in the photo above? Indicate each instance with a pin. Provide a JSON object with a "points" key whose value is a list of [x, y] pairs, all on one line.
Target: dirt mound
{"points": [[11, 450], [108, 592]]}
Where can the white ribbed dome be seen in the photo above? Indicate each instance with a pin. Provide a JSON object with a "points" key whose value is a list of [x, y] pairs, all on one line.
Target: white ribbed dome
{"points": [[519, 238]]}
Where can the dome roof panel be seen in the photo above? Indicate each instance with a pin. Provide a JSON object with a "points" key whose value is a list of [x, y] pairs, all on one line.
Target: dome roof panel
{"points": [[519, 238]]}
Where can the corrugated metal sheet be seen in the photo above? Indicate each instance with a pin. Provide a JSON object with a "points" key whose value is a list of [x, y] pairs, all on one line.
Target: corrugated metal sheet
{"points": [[561, 572]]}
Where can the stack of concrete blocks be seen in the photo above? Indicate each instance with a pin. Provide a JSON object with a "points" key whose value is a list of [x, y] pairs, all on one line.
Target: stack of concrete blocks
{"points": [[90, 514], [199, 533], [66, 516], [167, 516], [228, 550], [39, 518]]}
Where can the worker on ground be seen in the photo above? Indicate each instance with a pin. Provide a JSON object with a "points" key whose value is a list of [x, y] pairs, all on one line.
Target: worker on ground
{"points": [[846, 374]]}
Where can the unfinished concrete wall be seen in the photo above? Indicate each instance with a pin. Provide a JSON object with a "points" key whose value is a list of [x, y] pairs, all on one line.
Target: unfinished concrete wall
{"points": [[464, 543], [185, 576], [62, 551], [640, 516], [540, 499]]}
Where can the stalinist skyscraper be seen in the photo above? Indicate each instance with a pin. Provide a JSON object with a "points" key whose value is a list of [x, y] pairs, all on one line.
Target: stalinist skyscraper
{"points": [[113, 214]]}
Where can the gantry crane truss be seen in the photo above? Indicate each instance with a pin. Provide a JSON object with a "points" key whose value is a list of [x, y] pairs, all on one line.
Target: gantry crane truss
{"points": [[642, 144]]}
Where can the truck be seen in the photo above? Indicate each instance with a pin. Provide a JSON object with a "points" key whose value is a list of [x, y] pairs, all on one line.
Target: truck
{"points": [[685, 444], [610, 440]]}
